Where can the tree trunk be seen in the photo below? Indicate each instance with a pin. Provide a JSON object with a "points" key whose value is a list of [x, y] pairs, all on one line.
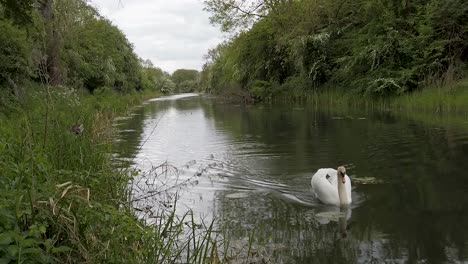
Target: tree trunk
{"points": [[52, 42]]}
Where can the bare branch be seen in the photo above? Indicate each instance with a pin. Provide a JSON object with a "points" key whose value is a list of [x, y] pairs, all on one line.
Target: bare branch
{"points": [[249, 12], [236, 14]]}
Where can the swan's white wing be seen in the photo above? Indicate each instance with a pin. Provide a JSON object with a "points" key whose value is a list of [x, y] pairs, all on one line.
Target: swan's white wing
{"points": [[325, 189], [333, 177], [321, 175]]}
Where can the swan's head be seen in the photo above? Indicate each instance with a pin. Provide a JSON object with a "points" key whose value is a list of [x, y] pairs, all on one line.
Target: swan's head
{"points": [[341, 173]]}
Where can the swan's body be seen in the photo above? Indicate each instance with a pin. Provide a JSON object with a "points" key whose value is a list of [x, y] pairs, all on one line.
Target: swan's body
{"points": [[332, 187]]}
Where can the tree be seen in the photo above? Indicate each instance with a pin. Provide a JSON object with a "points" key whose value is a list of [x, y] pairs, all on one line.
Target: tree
{"points": [[232, 15], [98, 54], [53, 43], [185, 80], [68, 42], [165, 84], [383, 47], [156, 78]]}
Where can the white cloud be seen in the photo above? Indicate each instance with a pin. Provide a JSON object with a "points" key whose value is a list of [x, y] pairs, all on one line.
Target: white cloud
{"points": [[173, 34]]}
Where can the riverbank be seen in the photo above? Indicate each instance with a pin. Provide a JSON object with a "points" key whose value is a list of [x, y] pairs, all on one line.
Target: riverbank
{"points": [[61, 198], [443, 99], [449, 99]]}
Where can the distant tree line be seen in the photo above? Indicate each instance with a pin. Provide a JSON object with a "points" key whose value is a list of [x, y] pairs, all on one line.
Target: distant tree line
{"points": [[374, 47], [185, 80], [67, 42]]}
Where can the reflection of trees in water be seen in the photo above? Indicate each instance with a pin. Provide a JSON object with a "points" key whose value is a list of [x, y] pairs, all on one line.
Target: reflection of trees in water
{"points": [[421, 206], [191, 103], [417, 213], [130, 132]]}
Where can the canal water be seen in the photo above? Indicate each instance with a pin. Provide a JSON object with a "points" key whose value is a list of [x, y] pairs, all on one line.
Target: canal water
{"points": [[250, 169]]}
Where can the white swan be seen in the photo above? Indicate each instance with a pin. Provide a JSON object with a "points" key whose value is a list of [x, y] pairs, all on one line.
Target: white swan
{"points": [[332, 187]]}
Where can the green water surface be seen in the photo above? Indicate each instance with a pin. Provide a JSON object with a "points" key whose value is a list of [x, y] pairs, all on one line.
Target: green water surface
{"points": [[250, 168]]}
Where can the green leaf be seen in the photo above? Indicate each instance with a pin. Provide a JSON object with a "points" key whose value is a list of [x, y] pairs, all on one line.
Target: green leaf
{"points": [[4, 261], [61, 249], [48, 244], [27, 243], [13, 250], [6, 238], [32, 251]]}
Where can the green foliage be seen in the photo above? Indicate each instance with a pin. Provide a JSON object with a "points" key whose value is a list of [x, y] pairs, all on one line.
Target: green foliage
{"points": [[157, 80], [72, 45], [221, 71], [18, 10], [229, 14], [261, 90], [165, 85], [233, 15], [14, 55], [62, 201], [447, 100], [296, 87], [185, 80], [100, 55], [371, 47], [59, 193]]}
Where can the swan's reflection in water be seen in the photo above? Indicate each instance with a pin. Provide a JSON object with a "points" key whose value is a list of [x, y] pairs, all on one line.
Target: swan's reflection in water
{"points": [[343, 223], [326, 214]]}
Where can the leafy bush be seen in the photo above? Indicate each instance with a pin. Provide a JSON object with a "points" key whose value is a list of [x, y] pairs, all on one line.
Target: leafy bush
{"points": [[185, 80], [261, 90], [381, 48], [14, 55]]}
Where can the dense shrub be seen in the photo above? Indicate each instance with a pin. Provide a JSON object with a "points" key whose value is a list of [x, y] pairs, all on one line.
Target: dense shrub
{"points": [[371, 47]]}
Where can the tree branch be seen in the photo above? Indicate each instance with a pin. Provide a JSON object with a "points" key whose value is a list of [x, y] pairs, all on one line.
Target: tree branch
{"points": [[249, 12]]}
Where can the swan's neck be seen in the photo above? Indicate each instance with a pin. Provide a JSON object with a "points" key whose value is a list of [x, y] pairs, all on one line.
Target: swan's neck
{"points": [[342, 193]]}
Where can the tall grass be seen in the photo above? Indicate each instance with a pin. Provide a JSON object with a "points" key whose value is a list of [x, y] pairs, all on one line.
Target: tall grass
{"points": [[62, 200], [451, 98], [435, 97]]}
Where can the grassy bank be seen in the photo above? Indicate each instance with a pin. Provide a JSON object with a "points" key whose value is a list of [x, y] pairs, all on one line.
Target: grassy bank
{"points": [[61, 199], [450, 99], [442, 99]]}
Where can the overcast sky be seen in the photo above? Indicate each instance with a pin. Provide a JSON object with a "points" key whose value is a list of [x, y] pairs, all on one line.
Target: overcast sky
{"points": [[173, 34]]}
